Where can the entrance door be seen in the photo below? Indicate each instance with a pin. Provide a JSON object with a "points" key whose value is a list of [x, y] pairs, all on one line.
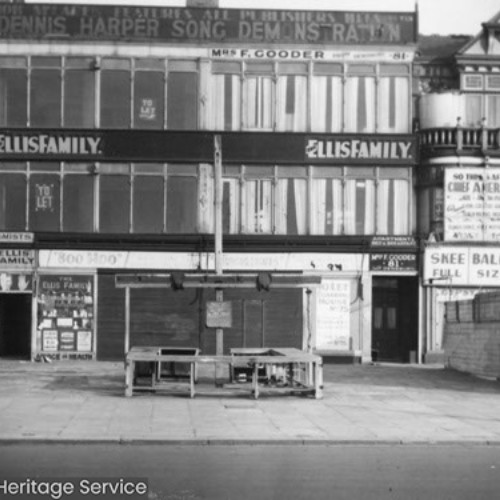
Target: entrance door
{"points": [[395, 319], [15, 325]]}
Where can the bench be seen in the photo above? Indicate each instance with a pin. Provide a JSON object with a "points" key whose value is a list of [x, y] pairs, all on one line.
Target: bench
{"points": [[291, 361]]}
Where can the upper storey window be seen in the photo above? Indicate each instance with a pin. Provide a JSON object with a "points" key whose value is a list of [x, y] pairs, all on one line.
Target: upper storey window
{"points": [[182, 95], [45, 92], [13, 92]]}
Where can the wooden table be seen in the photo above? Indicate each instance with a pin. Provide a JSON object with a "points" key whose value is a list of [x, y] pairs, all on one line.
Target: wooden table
{"points": [[292, 360]]}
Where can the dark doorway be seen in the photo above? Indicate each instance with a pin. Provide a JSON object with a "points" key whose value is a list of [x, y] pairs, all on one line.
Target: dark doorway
{"points": [[253, 323], [395, 319], [15, 325]]}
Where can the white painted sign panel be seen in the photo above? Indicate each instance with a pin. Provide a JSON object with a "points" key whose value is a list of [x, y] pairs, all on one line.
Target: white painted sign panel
{"points": [[333, 300], [462, 266]]}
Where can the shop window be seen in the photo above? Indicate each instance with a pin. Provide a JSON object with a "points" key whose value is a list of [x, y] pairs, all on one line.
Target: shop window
{"points": [[148, 204], [182, 204], [292, 103], [13, 202], [326, 103], [392, 200], [78, 203], [182, 100], [114, 203], [225, 101], [393, 104], [115, 99], [79, 99], [149, 100], [45, 98], [291, 217], [327, 206], [44, 202], [360, 104], [360, 206], [13, 97], [257, 206], [258, 102]]}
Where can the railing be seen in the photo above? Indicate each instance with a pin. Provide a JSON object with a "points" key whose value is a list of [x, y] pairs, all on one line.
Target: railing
{"points": [[481, 139]]}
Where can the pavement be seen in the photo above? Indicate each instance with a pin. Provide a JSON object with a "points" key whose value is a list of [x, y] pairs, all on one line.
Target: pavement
{"points": [[83, 401]]}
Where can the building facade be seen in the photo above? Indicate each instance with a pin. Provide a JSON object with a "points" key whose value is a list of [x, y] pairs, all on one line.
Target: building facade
{"points": [[110, 116], [459, 174]]}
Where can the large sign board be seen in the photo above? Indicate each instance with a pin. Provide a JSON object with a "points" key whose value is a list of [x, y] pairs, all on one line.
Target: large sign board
{"points": [[462, 266], [472, 204], [203, 25]]}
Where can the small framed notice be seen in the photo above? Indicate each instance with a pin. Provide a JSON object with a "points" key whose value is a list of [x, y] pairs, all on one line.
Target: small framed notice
{"points": [[219, 314]]}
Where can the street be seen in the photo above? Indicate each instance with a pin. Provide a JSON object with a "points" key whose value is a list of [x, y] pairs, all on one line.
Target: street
{"points": [[274, 471]]}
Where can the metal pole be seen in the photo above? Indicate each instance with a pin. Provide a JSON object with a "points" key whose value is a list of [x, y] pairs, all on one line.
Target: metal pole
{"points": [[219, 295]]}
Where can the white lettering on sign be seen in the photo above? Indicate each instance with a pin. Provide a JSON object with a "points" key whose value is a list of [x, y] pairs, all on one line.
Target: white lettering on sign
{"points": [[46, 144], [358, 149]]}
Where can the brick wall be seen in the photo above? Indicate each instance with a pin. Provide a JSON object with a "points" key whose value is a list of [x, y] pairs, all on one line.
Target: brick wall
{"points": [[471, 339]]}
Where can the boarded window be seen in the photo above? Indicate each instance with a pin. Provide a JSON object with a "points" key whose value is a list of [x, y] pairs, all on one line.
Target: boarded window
{"points": [[78, 203], [44, 202], [13, 97], [182, 101], [13, 202], [79, 99], [115, 99], [45, 98], [148, 204], [181, 204], [114, 204], [149, 100]]}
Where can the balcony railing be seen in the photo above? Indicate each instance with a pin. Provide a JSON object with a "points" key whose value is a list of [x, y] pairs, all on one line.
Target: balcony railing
{"points": [[461, 139]]}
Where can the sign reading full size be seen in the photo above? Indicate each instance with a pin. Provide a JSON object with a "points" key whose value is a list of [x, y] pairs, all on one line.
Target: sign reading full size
{"points": [[176, 24]]}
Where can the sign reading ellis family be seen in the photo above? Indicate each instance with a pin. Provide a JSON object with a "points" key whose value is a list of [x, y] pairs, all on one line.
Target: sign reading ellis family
{"points": [[47, 144], [177, 24], [328, 150]]}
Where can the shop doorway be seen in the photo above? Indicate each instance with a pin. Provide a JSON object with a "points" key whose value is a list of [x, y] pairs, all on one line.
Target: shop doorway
{"points": [[15, 325], [395, 319]]}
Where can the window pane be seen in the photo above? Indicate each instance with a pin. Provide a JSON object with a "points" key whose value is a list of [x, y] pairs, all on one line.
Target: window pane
{"points": [[181, 204], [45, 98], [149, 100], [327, 206], [326, 104], [12, 202], [78, 203], [114, 204], [230, 206], [473, 110], [79, 99], [182, 101], [225, 102], [115, 99], [148, 204], [493, 111], [360, 104], [44, 202], [292, 103], [259, 101], [393, 104], [360, 206], [13, 97], [257, 206], [392, 207], [291, 206]]}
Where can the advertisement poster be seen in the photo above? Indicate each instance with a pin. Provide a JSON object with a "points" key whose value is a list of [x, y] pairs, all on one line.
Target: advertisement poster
{"points": [[333, 315], [472, 204]]}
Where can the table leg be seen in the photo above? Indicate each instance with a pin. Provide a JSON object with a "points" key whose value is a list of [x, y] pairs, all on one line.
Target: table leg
{"points": [[255, 380], [318, 379], [129, 377], [192, 377]]}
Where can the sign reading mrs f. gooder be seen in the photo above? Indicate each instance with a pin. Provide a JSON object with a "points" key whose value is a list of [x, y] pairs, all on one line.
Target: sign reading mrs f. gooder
{"points": [[333, 149]]}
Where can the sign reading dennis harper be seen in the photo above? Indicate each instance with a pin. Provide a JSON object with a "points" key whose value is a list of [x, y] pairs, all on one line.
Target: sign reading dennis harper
{"points": [[176, 24]]}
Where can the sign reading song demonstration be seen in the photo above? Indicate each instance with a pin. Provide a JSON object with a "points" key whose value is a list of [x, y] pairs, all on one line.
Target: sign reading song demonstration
{"points": [[177, 24]]}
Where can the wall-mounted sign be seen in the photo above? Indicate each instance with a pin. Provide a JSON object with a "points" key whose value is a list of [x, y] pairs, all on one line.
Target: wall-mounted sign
{"points": [[333, 314], [15, 283], [393, 262], [14, 237], [462, 266], [50, 341], [394, 241], [472, 204], [17, 258], [202, 25], [219, 314], [335, 150], [282, 54]]}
